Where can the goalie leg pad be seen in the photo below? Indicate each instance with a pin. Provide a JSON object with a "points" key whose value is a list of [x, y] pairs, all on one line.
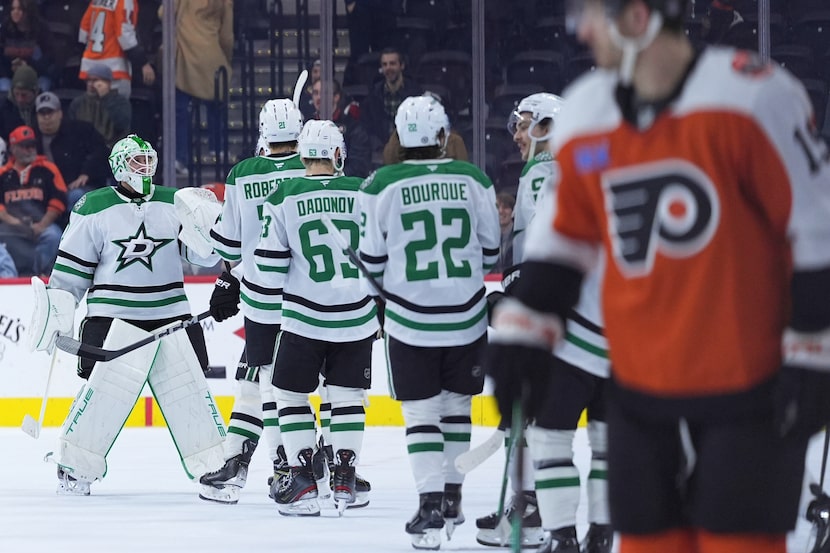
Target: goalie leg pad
{"points": [[53, 314], [183, 395], [103, 405]]}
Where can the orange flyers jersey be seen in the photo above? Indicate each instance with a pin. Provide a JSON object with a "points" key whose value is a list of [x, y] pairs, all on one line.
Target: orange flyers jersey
{"points": [[108, 29], [703, 215]]}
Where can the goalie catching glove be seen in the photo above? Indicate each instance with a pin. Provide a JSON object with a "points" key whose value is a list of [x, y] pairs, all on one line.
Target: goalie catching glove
{"points": [[53, 315], [519, 357], [224, 302]]}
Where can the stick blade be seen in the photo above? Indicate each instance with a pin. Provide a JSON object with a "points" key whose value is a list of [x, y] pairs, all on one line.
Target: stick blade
{"points": [[469, 460], [30, 426]]}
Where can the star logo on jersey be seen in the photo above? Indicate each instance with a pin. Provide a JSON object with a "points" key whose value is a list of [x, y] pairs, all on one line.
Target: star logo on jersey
{"points": [[139, 248]]}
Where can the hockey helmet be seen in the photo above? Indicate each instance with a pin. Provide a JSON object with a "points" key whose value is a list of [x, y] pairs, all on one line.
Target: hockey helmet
{"points": [[322, 140], [540, 106], [419, 122], [280, 121], [133, 160]]}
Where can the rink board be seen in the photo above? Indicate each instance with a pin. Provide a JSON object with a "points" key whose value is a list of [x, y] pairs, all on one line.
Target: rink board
{"points": [[23, 374]]}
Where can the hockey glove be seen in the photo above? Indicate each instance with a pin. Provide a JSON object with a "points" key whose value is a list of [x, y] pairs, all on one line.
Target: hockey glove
{"points": [[519, 358], [803, 388], [224, 302]]}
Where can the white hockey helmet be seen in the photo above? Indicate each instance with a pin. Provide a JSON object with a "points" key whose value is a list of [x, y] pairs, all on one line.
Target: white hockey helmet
{"points": [[419, 122], [133, 160], [280, 121], [540, 106], [322, 140]]}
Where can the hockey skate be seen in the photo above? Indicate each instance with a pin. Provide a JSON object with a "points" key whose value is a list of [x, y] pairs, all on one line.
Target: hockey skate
{"points": [[451, 508], [69, 485], [280, 470], [323, 464], [224, 485], [425, 527], [599, 539], [296, 493], [562, 540], [495, 530], [343, 480]]}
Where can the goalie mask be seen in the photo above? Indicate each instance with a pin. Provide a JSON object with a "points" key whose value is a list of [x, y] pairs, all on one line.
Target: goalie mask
{"points": [[280, 121], [322, 140], [419, 122], [134, 161]]}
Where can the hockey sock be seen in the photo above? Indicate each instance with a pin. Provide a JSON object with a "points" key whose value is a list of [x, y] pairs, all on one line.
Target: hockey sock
{"points": [[425, 443], [270, 418], [348, 419], [598, 476], [246, 418], [557, 478], [296, 423], [456, 426]]}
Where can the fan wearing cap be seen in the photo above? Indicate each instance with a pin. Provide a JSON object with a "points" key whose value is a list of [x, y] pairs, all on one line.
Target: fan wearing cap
{"points": [[103, 106], [32, 199], [75, 147]]}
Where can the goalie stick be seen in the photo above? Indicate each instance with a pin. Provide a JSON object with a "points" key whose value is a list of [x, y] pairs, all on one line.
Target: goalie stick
{"points": [[87, 351], [471, 459], [31, 426]]}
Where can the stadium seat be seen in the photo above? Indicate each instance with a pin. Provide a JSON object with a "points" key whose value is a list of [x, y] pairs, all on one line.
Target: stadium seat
{"points": [[413, 36], [578, 64], [540, 67], [509, 171], [798, 59], [367, 70], [550, 34], [507, 97], [813, 29], [451, 69]]}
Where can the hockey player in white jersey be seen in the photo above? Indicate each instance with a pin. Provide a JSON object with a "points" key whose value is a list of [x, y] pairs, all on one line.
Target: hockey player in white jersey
{"points": [[328, 320], [234, 237], [430, 232], [121, 250]]}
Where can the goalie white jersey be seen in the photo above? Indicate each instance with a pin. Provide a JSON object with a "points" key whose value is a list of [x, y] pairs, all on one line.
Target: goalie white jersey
{"points": [[137, 276], [430, 233], [236, 233], [536, 180], [323, 299]]}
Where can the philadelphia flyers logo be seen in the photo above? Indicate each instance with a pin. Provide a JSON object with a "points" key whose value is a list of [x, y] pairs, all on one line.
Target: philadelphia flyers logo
{"points": [[670, 207]]}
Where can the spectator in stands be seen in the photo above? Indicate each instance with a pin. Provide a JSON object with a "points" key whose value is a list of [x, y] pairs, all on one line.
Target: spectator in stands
{"points": [[7, 267], [505, 202], [75, 147], [26, 40], [372, 25], [32, 199], [102, 106], [204, 44], [381, 104], [306, 106], [108, 30], [455, 149], [19, 107], [358, 148]]}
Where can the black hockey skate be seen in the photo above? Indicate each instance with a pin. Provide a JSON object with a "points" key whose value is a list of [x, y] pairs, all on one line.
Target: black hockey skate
{"points": [[296, 494], [599, 539], [425, 526], [280, 470], [451, 508], [343, 479], [69, 485], [495, 529], [224, 485], [562, 540]]}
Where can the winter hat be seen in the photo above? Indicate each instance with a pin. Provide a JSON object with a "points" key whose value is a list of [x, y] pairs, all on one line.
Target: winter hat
{"points": [[99, 71], [25, 77]]}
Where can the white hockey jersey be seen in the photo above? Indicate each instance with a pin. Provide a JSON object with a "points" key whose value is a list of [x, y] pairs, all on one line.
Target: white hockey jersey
{"points": [[322, 296], [538, 176], [237, 232], [430, 231], [125, 254]]}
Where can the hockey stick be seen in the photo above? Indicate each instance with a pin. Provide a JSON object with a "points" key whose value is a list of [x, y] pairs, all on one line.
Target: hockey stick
{"points": [[94, 353], [353, 256], [471, 459], [298, 87], [818, 509], [31, 426]]}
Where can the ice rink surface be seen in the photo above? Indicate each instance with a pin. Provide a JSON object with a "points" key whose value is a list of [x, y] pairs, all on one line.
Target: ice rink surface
{"points": [[146, 504]]}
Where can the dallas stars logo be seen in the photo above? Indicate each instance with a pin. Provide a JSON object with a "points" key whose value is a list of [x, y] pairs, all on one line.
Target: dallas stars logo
{"points": [[139, 248]]}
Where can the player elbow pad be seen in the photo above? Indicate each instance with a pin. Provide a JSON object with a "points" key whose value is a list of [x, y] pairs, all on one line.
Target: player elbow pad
{"points": [[548, 287], [810, 308]]}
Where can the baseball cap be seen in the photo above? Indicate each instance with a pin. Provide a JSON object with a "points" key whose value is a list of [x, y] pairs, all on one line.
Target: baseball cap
{"points": [[22, 136], [25, 77], [99, 71], [47, 100]]}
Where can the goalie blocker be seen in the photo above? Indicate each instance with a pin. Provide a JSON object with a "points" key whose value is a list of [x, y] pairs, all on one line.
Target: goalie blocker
{"points": [[172, 369]]}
